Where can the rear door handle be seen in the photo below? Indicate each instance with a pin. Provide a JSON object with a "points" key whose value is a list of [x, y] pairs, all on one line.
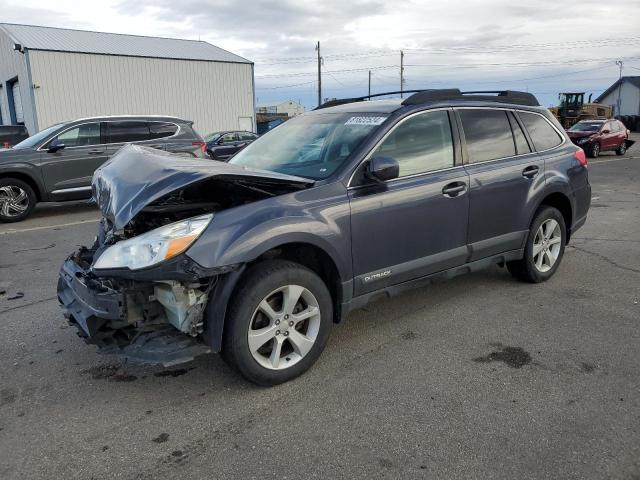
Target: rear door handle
{"points": [[454, 189], [530, 172]]}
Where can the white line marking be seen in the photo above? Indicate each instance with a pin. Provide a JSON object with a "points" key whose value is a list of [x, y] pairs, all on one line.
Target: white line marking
{"points": [[47, 227]]}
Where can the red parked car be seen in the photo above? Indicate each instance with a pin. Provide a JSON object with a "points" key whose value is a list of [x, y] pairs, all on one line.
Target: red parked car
{"points": [[595, 136]]}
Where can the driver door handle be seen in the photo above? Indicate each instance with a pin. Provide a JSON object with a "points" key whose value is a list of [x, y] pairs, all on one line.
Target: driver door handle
{"points": [[530, 172], [454, 189]]}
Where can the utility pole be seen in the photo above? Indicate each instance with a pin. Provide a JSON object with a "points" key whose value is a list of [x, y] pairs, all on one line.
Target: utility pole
{"points": [[619, 104], [319, 75], [401, 73], [369, 84]]}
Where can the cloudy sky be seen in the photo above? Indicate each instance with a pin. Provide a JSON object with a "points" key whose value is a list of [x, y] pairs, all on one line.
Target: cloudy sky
{"points": [[543, 46]]}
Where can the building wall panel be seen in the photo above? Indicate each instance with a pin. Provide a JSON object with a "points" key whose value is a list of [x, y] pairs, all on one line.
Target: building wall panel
{"points": [[73, 85]]}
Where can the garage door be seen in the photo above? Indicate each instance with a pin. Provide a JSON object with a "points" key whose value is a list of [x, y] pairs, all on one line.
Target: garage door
{"points": [[17, 103]]}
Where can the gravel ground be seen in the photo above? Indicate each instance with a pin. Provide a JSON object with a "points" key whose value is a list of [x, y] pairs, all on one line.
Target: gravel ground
{"points": [[478, 377]]}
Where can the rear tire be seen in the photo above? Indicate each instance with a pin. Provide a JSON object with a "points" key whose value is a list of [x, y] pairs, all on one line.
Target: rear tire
{"points": [[17, 200], [594, 151], [622, 149], [544, 249], [278, 324]]}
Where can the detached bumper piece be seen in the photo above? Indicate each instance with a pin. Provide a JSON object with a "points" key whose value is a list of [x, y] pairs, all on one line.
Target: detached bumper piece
{"points": [[98, 308]]}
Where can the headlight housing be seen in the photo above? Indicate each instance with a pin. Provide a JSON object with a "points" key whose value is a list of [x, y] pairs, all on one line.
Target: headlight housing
{"points": [[155, 246]]}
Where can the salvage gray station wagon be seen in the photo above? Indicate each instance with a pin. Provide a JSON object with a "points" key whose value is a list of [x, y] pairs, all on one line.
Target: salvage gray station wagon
{"points": [[358, 199]]}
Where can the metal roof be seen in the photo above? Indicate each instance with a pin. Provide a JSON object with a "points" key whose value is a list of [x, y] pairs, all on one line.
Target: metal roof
{"points": [[82, 41], [634, 80]]}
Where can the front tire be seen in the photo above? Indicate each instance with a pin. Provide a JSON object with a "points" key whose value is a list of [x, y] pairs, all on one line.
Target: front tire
{"points": [[594, 151], [17, 200], [544, 249], [278, 324]]}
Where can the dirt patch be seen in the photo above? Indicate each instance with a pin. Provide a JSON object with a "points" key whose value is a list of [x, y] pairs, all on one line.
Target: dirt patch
{"points": [[172, 373], [514, 357], [163, 437], [109, 371], [588, 367], [409, 335], [7, 397]]}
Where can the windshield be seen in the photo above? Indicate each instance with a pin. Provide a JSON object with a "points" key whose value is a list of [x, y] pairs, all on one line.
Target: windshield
{"points": [[586, 127], [311, 146], [211, 137], [34, 140]]}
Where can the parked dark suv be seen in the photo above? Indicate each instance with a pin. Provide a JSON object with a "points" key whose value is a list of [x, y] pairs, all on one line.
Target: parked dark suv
{"points": [[57, 163], [258, 257], [224, 145]]}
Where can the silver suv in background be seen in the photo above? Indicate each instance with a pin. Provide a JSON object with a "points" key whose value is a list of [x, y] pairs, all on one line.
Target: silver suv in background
{"points": [[57, 163]]}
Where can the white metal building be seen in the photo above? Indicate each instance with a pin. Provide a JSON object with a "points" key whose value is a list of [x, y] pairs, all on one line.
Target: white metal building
{"points": [[623, 96], [288, 107], [49, 75]]}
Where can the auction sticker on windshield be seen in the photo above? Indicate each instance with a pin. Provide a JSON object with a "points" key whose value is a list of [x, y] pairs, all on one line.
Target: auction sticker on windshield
{"points": [[365, 120]]}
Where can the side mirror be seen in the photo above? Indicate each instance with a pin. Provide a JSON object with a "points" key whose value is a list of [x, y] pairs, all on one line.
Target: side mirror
{"points": [[606, 130], [55, 145], [383, 168]]}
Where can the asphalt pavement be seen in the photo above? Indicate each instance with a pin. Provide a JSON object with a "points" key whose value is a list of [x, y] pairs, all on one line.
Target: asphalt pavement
{"points": [[478, 377]]}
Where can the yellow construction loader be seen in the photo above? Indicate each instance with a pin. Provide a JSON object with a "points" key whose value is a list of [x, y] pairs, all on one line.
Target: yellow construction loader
{"points": [[573, 108]]}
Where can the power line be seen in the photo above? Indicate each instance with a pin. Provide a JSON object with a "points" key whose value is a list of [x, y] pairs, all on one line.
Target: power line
{"points": [[604, 42]]}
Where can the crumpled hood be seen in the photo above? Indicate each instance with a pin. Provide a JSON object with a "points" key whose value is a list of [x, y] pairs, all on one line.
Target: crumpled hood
{"points": [[137, 176]]}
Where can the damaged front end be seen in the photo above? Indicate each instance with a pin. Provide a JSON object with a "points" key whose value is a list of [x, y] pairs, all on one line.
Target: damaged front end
{"points": [[136, 292]]}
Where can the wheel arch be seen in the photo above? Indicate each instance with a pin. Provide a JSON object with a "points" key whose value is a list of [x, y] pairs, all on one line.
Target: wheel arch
{"points": [[307, 254], [316, 259], [27, 178], [560, 201]]}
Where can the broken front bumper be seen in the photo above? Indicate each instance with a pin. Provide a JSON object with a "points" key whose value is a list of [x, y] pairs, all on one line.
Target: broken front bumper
{"points": [[99, 309], [86, 302]]}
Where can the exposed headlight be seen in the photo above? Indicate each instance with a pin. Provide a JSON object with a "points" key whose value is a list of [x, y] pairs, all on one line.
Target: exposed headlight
{"points": [[583, 140], [155, 246]]}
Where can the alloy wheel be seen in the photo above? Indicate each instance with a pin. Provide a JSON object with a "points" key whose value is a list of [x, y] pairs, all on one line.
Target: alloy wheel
{"points": [[14, 201], [284, 327], [546, 245]]}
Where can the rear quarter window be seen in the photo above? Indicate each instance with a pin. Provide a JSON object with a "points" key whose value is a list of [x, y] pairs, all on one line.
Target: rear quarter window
{"points": [[543, 135], [162, 129]]}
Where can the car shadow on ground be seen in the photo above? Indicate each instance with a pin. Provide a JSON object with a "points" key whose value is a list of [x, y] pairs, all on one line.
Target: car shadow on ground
{"points": [[55, 209]]}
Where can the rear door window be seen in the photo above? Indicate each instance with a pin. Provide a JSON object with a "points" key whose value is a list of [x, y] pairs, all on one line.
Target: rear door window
{"points": [[543, 135], [128, 131], [162, 129], [487, 133]]}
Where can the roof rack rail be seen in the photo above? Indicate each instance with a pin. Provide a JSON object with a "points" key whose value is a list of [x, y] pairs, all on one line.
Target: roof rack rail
{"points": [[434, 95], [342, 101], [502, 96]]}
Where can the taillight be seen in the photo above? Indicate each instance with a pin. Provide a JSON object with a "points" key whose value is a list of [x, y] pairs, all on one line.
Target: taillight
{"points": [[202, 145], [581, 157]]}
